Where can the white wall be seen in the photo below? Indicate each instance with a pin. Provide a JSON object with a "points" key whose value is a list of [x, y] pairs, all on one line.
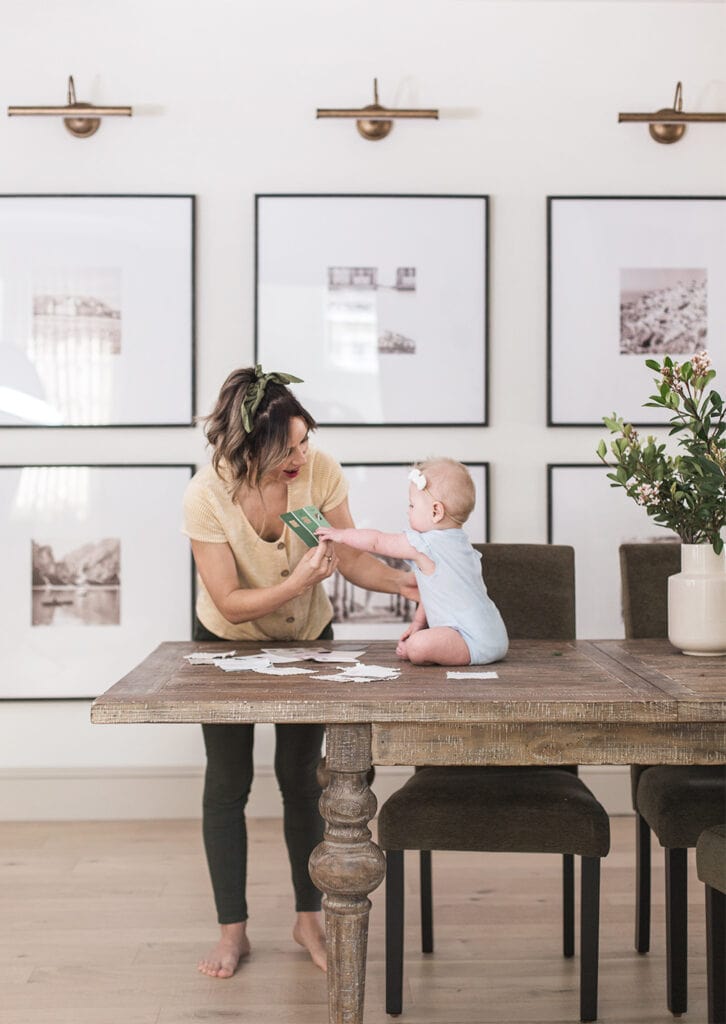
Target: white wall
{"points": [[224, 96]]}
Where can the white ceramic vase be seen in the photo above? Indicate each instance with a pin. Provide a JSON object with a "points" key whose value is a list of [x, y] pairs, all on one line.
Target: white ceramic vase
{"points": [[697, 602]]}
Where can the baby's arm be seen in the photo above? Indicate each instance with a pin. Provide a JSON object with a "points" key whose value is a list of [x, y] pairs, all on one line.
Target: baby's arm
{"points": [[393, 545]]}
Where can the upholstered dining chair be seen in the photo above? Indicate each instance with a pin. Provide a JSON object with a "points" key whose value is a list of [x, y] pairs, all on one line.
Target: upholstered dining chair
{"points": [[676, 803], [494, 809], [711, 867]]}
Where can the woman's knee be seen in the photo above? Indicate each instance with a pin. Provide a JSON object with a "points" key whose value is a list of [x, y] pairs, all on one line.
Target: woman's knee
{"points": [[229, 771]]}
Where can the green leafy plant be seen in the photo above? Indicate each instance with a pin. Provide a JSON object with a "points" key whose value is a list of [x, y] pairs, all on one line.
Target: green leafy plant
{"points": [[685, 492]]}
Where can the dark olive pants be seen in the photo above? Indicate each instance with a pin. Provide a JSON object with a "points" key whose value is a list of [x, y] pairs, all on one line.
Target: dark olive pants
{"points": [[226, 788]]}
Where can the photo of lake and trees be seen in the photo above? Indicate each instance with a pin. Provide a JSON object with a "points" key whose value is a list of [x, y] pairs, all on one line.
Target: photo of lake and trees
{"points": [[80, 586]]}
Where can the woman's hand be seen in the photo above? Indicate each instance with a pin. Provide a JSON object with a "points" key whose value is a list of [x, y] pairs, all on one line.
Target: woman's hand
{"points": [[316, 565], [408, 588]]}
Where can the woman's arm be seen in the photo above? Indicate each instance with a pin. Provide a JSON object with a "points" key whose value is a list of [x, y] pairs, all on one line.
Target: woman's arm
{"points": [[216, 565], [362, 569]]}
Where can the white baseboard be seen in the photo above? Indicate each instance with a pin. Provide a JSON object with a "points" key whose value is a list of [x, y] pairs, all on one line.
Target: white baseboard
{"points": [[105, 794]]}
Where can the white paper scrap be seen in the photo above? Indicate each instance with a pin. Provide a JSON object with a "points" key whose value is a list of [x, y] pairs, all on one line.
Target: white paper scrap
{"points": [[249, 663], [472, 675], [207, 657], [285, 670], [342, 678], [336, 656], [374, 671], [360, 673], [283, 655]]}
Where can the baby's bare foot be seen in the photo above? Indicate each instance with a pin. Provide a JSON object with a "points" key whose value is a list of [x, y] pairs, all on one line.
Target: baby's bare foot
{"points": [[222, 961], [308, 933]]}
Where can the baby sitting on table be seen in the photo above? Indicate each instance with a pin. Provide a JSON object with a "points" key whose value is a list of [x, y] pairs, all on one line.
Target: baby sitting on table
{"points": [[456, 623]]}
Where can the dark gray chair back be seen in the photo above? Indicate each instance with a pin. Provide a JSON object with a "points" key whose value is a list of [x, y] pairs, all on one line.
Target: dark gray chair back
{"points": [[533, 586], [644, 572]]}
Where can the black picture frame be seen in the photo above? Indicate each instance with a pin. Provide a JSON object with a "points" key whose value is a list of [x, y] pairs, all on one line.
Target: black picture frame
{"points": [[99, 310], [97, 550], [629, 278]]}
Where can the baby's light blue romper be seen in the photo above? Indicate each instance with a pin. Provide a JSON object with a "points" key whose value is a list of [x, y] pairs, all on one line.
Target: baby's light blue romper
{"points": [[454, 594]]}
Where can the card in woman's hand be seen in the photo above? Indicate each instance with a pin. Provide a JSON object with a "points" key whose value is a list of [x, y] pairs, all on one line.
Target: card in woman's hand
{"points": [[304, 522]]}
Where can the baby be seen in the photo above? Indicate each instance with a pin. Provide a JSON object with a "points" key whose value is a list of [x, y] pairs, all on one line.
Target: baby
{"points": [[456, 623]]}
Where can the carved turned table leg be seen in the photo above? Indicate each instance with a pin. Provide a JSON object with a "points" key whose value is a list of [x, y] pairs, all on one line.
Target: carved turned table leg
{"points": [[346, 866]]}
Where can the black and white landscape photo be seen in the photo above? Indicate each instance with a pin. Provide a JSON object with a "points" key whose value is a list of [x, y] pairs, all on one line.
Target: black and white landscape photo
{"points": [[663, 310], [80, 585]]}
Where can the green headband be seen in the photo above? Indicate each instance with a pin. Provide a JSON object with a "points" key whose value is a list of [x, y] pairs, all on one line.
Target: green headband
{"points": [[255, 393]]}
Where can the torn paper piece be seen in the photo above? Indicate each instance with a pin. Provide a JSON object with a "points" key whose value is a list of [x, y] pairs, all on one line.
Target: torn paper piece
{"points": [[285, 670], [250, 663], [342, 678], [207, 657], [282, 655], [339, 656], [363, 674], [285, 654], [374, 671], [472, 675]]}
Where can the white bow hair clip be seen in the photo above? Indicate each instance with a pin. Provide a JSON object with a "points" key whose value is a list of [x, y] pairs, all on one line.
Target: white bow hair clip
{"points": [[418, 479]]}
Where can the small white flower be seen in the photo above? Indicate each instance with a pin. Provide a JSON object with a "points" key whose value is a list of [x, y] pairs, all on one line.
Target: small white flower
{"points": [[701, 364], [647, 494], [418, 479]]}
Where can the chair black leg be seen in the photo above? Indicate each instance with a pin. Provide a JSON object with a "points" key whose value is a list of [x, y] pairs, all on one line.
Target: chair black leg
{"points": [[677, 929], [716, 955], [394, 931], [568, 904], [589, 936], [642, 884], [427, 907]]}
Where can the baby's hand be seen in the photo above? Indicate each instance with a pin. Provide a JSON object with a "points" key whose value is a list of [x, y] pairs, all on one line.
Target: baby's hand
{"points": [[328, 533]]}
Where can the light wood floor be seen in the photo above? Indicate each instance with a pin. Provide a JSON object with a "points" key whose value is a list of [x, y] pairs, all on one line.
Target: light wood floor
{"points": [[101, 923]]}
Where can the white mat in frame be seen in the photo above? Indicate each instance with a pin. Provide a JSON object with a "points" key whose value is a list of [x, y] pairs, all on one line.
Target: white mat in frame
{"points": [[586, 512]]}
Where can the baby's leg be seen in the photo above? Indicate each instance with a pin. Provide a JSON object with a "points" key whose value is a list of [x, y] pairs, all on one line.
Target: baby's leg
{"points": [[440, 645]]}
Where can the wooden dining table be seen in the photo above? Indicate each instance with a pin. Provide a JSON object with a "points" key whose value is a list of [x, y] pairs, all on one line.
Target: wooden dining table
{"points": [[582, 702]]}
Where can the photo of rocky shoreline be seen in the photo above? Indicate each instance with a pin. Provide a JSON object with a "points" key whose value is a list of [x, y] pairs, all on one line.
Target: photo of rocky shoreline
{"points": [[663, 311]]}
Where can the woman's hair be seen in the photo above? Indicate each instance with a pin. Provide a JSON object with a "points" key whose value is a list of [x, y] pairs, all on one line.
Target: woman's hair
{"points": [[249, 456], [452, 485]]}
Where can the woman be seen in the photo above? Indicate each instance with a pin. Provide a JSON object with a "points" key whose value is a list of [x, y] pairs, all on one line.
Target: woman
{"points": [[259, 582]]}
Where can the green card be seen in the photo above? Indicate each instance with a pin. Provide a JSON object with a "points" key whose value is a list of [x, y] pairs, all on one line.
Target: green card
{"points": [[304, 522]]}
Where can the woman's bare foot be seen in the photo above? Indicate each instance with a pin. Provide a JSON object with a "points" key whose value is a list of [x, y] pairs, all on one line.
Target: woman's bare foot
{"points": [[309, 933], [222, 961]]}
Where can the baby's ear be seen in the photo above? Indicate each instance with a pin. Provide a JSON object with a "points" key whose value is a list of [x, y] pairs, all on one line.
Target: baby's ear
{"points": [[437, 511]]}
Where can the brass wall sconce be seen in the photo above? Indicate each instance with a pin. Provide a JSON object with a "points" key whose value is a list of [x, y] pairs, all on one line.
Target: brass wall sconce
{"points": [[669, 124], [374, 122], [81, 119]]}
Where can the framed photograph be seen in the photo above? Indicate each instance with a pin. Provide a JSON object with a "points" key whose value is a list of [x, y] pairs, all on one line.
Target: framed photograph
{"points": [[96, 573], [379, 302], [630, 278], [97, 311], [378, 499], [595, 518]]}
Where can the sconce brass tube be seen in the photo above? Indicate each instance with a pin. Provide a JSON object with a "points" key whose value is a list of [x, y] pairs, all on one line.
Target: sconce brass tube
{"points": [[384, 114], [671, 117], [70, 111]]}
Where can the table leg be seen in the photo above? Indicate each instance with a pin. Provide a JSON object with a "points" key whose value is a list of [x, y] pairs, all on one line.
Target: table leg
{"points": [[346, 866]]}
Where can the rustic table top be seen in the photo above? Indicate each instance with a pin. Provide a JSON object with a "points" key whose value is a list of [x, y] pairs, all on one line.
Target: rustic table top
{"points": [[628, 681]]}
